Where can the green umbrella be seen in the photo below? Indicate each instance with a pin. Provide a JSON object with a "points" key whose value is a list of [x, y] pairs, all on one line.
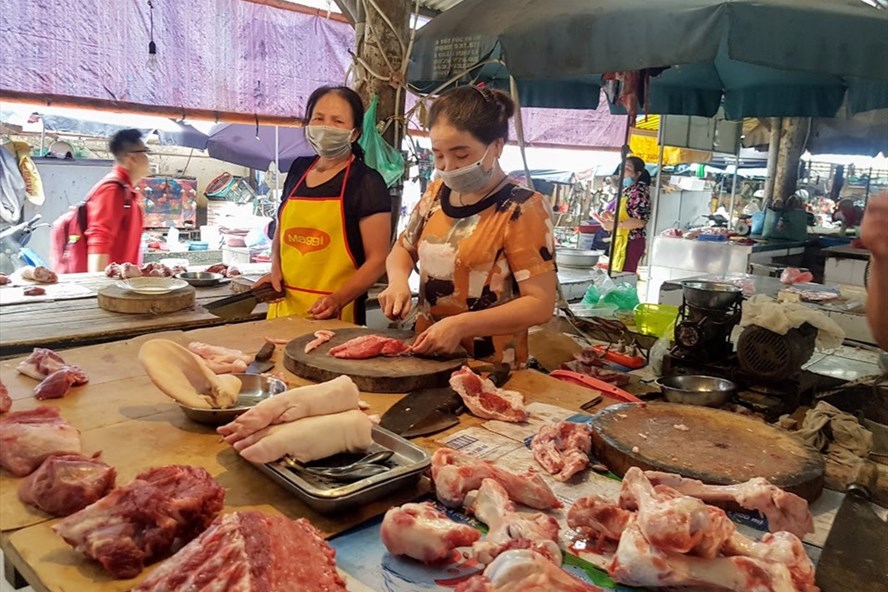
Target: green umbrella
{"points": [[760, 58]]}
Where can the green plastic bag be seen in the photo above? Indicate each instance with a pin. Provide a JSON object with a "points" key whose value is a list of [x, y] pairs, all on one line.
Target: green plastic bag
{"points": [[378, 154]]}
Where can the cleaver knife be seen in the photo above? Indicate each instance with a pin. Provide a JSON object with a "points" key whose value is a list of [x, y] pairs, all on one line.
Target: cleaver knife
{"points": [[423, 412], [261, 362], [241, 305], [855, 555]]}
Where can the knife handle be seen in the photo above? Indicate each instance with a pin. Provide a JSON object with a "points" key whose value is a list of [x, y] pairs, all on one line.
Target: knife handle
{"points": [[266, 293], [864, 481]]}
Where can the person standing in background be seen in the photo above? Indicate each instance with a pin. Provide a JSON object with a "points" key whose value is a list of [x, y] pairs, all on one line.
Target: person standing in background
{"points": [[874, 237], [629, 237]]}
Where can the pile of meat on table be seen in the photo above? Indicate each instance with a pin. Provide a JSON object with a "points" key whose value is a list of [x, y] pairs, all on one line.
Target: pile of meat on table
{"points": [[125, 271], [40, 274], [55, 375], [661, 532]]}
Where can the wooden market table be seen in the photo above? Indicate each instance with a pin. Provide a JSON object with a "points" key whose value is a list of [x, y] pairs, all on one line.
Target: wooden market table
{"points": [[136, 427], [61, 324]]}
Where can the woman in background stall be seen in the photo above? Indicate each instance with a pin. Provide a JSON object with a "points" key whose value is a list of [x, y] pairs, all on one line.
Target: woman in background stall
{"points": [[629, 238]]}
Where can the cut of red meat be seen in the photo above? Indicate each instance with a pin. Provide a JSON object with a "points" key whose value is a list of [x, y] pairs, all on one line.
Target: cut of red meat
{"points": [[66, 483], [28, 437], [42, 362], [368, 346], [57, 384], [142, 521], [485, 400], [250, 552], [5, 399]]}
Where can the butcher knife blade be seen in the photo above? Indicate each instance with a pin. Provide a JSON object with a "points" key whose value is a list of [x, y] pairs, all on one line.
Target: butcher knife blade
{"points": [[419, 407], [241, 305], [261, 362], [855, 555]]}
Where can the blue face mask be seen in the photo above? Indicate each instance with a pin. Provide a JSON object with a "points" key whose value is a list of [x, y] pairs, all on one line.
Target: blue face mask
{"points": [[627, 181]]}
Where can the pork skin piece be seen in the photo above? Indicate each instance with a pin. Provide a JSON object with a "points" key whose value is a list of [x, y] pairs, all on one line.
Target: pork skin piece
{"points": [[27, 438], [368, 346], [139, 522], [487, 401], [424, 533], [221, 360], [249, 552], [185, 376], [67, 483], [321, 337], [41, 274]]}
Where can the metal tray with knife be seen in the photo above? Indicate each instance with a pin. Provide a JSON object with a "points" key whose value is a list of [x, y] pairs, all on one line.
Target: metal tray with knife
{"points": [[241, 305], [329, 495]]}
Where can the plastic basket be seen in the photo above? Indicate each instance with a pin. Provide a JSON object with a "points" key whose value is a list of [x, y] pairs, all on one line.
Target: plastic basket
{"points": [[654, 319]]}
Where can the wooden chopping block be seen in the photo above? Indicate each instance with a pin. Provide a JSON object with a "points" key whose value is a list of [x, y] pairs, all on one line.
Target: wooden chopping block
{"points": [[117, 299], [399, 374], [717, 447]]}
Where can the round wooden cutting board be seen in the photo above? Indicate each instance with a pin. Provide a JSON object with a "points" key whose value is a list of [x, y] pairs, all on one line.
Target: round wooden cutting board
{"points": [[401, 374], [718, 447], [117, 299]]}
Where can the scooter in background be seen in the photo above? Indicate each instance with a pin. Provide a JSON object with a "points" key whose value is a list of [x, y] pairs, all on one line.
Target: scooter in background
{"points": [[13, 252]]}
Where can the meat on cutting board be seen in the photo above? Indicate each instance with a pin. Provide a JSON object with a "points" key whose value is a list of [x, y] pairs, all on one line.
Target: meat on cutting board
{"points": [[67, 483], [456, 474], [141, 521], [369, 346], [5, 399], [27, 438], [562, 448], [41, 274], [523, 570], [509, 529], [249, 552], [321, 337], [487, 401], [784, 510], [221, 360], [423, 532]]}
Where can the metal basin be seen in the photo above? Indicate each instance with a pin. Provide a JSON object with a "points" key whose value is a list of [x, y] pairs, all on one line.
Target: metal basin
{"points": [[707, 391], [578, 258], [711, 295], [254, 388], [200, 278]]}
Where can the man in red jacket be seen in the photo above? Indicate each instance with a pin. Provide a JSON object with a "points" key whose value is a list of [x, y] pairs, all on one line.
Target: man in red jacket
{"points": [[114, 218]]}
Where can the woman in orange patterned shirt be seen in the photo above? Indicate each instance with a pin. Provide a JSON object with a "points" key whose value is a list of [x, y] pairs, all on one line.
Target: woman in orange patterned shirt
{"points": [[484, 245]]}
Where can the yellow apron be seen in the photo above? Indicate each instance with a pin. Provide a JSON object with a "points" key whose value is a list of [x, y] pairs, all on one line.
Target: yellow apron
{"points": [[315, 257], [620, 239]]}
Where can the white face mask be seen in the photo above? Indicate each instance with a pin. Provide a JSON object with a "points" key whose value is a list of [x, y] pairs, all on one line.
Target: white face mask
{"points": [[468, 179], [329, 142]]}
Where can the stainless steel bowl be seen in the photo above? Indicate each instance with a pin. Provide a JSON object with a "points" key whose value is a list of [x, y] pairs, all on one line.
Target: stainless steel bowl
{"points": [[707, 391], [711, 295], [200, 278], [254, 388], [578, 258]]}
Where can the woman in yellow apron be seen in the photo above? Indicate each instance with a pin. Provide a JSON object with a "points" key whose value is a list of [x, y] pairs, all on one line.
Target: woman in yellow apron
{"points": [[629, 239], [332, 233]]}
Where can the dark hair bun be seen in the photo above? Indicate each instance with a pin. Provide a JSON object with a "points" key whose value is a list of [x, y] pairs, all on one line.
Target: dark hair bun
{"points": [[505, 102]]}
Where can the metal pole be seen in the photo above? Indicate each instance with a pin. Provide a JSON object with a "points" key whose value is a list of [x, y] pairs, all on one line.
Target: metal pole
{"points": [[655, 204], [519, 128], [277, 162], [733, 192], [773, 149], [42, 135]]}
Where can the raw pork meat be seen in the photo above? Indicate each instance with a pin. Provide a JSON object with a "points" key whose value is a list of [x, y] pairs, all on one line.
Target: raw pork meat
{"points": [[487, 401], [28, 437], [424, 533], [784, 510], [221, 360], [455, 474], [67, 483], [34, 291], [523, 570], [509, 529], [122, 271], [42, 362], [250, 552], [139, 522], [638, 563], [5, 399], [368, 346], [562, 448], [596, 518], [333, 396], [4, 279], [321, 337], [41, 274], [57, 384]]}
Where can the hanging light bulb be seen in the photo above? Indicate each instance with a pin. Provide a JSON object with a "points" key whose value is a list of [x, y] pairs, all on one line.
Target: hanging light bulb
{"points": [[151, 63]]}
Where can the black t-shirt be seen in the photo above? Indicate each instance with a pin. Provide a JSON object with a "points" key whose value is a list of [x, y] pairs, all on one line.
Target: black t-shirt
{"points": [[365, 194]]}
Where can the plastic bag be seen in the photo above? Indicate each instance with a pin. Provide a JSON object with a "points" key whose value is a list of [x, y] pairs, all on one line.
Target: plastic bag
{"points": [[601, 282], [624, 296], [378, 154]]}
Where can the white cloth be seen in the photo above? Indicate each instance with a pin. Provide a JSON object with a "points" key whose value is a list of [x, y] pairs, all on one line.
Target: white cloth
{"points": [[763, 311]]}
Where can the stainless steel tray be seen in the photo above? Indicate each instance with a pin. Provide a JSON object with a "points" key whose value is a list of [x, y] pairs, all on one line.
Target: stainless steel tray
{"points": [[407, 464]]}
